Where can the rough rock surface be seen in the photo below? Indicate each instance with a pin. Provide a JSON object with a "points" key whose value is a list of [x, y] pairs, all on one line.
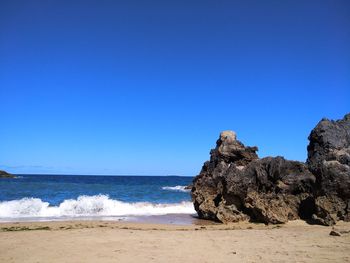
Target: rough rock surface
{"points": [[236, 185], [4, 174], [329, 160]]}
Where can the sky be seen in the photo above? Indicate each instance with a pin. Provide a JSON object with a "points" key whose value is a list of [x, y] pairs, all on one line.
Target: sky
{"points": [[145, 87]]}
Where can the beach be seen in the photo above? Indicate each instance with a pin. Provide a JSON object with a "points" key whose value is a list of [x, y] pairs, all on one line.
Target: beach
{"points": [[113, 241]]}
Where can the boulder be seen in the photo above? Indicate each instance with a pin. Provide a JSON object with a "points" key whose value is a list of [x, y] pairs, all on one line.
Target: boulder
{"points": [[236, 185], [329, 160]]}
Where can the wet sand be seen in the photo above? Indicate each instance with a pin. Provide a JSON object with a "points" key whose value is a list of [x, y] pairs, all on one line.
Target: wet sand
{"points": [[113, 241]]}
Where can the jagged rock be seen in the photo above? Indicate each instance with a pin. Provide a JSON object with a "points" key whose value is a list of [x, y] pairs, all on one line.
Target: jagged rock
{"points": [[236, 185], [230, 150], [188, 187], [329, 160], [4, 174]]}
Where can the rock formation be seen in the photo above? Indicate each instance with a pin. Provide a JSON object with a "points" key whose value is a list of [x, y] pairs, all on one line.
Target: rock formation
{"points": [[329, 160], [236, 185], [4, 174]]}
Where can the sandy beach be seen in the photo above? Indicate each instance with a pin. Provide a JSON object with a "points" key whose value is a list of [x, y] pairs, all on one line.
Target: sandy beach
{"points": [[102, 241]]}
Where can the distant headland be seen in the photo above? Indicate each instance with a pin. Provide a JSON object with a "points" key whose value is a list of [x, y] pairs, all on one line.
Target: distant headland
{"points": [[4, 174]]}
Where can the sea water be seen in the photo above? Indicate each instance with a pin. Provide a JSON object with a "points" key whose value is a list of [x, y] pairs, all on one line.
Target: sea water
{"points": [[57, 197]]}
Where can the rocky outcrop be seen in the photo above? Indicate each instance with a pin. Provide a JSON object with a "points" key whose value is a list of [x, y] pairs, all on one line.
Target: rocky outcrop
{"points": [[4, 174], [236, 185], [329, 160]]}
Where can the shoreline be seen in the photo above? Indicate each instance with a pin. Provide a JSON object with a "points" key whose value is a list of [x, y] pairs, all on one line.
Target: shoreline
{"points": [[162, 222], [167, 219]]}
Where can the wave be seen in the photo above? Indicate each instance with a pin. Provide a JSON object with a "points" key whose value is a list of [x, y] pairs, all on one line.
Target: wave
{"points": [[97, 205], [180, 188]]}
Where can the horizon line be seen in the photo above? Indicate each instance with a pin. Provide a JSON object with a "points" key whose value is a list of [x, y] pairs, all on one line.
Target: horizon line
{"points": [[103, 175]]}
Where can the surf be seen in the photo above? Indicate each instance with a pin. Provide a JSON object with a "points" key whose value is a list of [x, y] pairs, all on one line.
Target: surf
{"points": [[96, 205]]}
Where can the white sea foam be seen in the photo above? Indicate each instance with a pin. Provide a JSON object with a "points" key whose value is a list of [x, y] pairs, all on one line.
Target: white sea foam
{"points": [[179, 188], [97, 205]]}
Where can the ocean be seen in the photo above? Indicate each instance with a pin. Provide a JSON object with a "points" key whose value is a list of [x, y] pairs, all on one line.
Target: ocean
{"points": [[65, 197]]}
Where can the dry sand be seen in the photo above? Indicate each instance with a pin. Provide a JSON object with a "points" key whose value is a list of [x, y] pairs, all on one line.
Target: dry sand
{"points": [[101, 241]]}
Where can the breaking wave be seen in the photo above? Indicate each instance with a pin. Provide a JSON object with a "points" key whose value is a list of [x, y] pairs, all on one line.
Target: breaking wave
{"points": [[96, 205], [180, 188]]}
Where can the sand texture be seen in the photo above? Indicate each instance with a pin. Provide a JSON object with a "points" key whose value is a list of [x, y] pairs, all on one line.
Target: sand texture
{"points": [[100, 241]]}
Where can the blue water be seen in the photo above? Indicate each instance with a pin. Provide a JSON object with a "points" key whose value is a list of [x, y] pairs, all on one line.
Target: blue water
{"points": [[78, 195]]}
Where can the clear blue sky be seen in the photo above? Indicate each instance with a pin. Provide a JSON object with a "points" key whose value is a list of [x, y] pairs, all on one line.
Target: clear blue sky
{"points": [[145, 87]]}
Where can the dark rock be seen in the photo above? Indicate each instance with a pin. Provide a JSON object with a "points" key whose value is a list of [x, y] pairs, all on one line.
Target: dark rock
{"points": [[236, 185], [188, 187], [4, 174], [334, 233], [329, 160]]}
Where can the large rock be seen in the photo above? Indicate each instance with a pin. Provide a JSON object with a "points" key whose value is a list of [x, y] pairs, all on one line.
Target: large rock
{"points": [[4, 174], [236, 185], [329, 160]]}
